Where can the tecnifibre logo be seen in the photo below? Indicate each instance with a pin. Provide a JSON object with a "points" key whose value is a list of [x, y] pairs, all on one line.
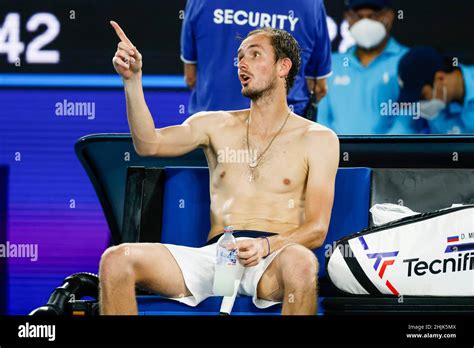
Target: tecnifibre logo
{"points": [[382, 261], [462, 263]]}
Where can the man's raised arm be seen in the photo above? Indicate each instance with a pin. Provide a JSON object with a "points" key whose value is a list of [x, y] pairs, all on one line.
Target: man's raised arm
{"points": [[148, 141]]}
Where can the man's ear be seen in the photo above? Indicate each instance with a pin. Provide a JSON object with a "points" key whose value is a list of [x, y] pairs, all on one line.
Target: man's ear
{"points": [[389, 17], [426, 92], [348, 18], [285, 67]]}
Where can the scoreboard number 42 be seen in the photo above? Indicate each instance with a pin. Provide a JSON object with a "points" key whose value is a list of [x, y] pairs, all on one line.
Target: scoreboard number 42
{"points": [[11, 45]]}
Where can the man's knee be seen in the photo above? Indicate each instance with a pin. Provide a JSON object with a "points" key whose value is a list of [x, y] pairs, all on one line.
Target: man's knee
{"points": [[117, 261], [299, 266]]}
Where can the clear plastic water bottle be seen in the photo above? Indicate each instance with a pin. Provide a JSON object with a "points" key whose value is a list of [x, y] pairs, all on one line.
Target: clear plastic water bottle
{"points": [[226, 265]]}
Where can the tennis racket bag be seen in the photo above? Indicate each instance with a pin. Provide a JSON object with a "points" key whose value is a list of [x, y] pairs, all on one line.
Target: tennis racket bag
{"points": [[428, 254]]}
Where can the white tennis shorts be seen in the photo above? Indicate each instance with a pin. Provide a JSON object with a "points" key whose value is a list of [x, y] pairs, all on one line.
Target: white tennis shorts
{"points": [[197, 266]]}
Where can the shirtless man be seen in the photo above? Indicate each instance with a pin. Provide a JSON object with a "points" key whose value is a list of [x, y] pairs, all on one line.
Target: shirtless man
{"points": [[287, 188]]}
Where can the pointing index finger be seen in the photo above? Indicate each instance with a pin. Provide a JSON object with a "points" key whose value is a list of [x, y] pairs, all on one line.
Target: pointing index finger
{"points": [[121, 34]]}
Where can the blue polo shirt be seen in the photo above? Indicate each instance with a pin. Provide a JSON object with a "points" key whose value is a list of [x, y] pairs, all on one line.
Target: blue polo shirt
{"points": [[209, 39], [457, 118], [359, 96]]}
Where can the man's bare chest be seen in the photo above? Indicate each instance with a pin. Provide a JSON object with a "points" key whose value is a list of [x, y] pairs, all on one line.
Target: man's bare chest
{"points": [[278, 168]]}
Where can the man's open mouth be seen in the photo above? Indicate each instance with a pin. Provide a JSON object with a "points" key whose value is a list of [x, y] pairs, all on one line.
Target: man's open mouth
{"points": [[244, 78]]}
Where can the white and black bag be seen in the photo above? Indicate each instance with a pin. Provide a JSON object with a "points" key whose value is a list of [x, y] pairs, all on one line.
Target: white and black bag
{"points": [[429, 254]]}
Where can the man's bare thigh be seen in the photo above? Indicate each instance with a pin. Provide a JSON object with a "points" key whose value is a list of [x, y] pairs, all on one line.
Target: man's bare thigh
{"points": [[157, 270]]}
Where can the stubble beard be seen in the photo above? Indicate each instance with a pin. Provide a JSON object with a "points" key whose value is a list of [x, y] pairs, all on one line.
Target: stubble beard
{"points": [[257, 94]]}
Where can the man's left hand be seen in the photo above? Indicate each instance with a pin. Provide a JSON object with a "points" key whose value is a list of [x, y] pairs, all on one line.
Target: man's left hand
{"points": [[250, 251]]}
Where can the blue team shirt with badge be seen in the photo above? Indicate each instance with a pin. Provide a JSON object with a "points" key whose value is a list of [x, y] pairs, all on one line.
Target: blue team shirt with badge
{"points": [[358, 95], [457, 118], [209, 38]]}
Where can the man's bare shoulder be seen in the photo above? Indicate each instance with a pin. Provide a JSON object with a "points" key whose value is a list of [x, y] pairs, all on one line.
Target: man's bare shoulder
{"points": [[315, 133], [320, 140], [217, 118]]}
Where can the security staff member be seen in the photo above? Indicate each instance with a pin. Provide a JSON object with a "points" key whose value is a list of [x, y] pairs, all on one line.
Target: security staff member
{"points": [[209, 42], [443, 89], [365, 77]]}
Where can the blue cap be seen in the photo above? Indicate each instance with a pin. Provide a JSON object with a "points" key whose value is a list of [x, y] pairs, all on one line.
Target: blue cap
{"points": [[416, 69], [352, 4]]}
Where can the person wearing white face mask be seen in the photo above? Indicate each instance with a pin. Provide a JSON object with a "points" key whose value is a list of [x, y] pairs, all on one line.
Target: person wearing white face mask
{"points": [[444, 92], [364, 82]]}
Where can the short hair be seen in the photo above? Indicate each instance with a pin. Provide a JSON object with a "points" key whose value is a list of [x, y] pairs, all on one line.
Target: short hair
{"points": [[285, 46]]}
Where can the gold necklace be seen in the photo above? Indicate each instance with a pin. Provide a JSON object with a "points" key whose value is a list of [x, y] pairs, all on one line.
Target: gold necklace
{"points": [[253, 163]]}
